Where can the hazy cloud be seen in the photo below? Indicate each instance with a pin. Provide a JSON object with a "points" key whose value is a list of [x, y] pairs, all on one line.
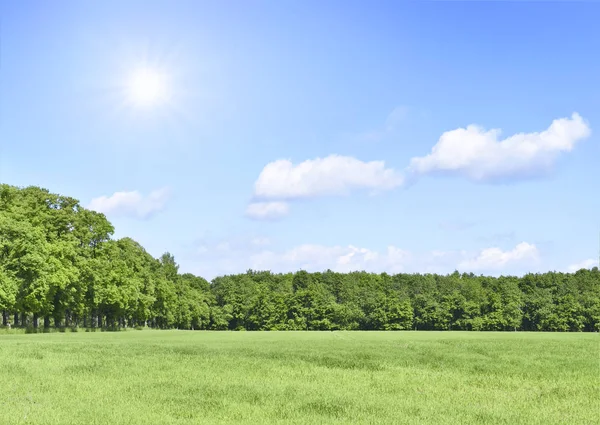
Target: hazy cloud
{"points": [[314, 257], [267, 210], [132, 204], [524, 254], [221, 257], [585, 264], [392, 122]]}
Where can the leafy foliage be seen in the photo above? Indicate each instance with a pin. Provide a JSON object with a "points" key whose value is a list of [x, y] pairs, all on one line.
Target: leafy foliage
{"points": [[58, 262]]}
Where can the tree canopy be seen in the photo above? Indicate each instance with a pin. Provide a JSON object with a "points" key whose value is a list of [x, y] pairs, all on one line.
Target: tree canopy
{"points": [[59, 263]]}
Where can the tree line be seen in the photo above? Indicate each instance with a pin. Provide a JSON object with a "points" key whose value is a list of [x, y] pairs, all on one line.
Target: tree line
{"points": [[60, 267]]}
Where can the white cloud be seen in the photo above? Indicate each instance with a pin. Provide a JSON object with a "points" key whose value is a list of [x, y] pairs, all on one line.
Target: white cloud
{"points": [[332, 175], [472, 152], [586, 264], [524, 254], [131, 204], [213, 260], [480, 156], [267, 210], [312, 257]]}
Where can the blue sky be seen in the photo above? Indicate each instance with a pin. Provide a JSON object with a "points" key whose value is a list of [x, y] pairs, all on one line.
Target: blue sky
{"points": [[298, 134]]}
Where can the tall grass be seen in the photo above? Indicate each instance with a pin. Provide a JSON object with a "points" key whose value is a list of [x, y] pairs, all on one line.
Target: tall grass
{"points": [[181, 377]]}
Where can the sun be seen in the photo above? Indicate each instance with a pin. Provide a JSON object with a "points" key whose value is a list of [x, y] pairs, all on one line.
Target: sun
{"points": [[147, 87]]}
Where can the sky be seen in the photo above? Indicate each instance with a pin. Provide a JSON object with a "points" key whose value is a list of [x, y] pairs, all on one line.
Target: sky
{"points": [[345, 135]]}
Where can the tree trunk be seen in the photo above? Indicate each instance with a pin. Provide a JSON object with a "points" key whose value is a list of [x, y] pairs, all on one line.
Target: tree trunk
{"points": [[58, 320], [23, 320], [35, 321], [6, 319], [16, 319], [46, 322]]}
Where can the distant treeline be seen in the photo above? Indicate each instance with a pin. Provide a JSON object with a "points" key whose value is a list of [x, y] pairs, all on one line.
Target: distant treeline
{"points": [[60, 268]]}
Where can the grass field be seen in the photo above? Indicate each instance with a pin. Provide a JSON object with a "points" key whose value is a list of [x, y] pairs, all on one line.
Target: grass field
{"points": [[180, 377]]}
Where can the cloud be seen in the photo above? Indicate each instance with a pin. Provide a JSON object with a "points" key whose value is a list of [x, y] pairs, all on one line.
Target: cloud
{"points": [[524, 254], [478, 154], [472, 152], [267, 210], [395, 117], [236, 256], [332, 175], [236, 243], [313, 257], [131, 204], [392, 122], [211, 261], [586, 264]]}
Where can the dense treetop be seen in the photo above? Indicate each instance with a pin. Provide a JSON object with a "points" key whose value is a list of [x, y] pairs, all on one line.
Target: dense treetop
{"points": [[59, 263]]}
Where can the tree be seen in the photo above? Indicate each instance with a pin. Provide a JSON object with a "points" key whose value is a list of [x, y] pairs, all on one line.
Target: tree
{"points": [[59, 262]]}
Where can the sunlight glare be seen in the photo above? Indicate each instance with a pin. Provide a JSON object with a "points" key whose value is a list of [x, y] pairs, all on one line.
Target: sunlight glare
{"points": [[147, 87]]}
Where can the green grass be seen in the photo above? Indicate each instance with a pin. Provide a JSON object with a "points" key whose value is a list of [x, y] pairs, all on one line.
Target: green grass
{"points": [[180, 377]]}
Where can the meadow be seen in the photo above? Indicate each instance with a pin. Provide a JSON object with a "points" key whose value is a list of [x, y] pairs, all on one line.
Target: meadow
{"points": [[202, 377]]}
